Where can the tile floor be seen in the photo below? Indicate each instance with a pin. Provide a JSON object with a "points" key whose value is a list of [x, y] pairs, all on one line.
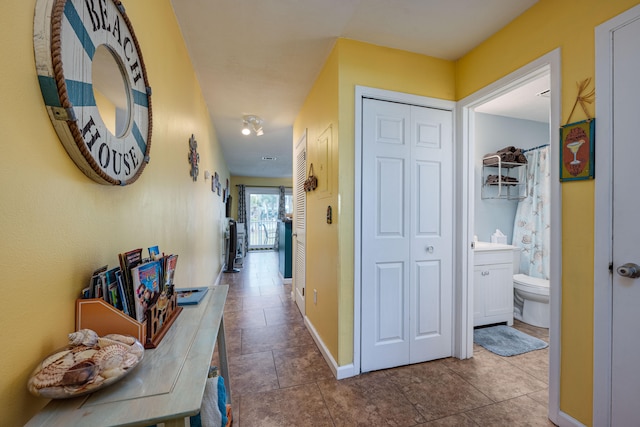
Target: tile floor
{"points": [[279, 378]]}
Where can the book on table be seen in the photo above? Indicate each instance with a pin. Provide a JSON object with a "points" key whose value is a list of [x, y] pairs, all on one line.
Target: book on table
{"points": [[191, 296], [128, 260], [146, 281], [169, 269]]}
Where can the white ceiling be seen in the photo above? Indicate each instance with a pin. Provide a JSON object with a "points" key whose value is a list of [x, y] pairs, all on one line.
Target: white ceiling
{"points": [[529, 102], [261, 57]]}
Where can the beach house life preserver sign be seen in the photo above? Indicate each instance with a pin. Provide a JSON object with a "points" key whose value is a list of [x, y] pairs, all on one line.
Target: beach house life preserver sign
{"points": [[69, 38]]}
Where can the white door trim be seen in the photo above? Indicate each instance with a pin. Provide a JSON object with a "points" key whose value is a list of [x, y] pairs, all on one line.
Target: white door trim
{"points": [[383, 95], [549, 63], [299, 232], [602, 285]]}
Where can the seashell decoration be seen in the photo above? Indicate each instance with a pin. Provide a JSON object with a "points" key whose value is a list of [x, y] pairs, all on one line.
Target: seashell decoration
{"points": [[87, 364], [83, 336]]}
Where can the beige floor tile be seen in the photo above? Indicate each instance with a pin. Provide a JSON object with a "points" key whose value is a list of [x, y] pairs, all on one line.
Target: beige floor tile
{"points": [[275, 337], [233, 303], [233, 340], [240, 291], [279, 377], [275, 289], [283, 315], [298, 406], [244, 319], [458, 420], [251, 373], [520, 411], [368, 400], [437, 392], [495, 377], [259, 301], [535, 363], [534, 331], [300, 365], [542, 397], [406, 375]]}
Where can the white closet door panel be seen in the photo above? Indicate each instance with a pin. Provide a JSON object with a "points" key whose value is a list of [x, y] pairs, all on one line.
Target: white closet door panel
{"points": [[407, 275], [428, 299], [390, 297], [385, 224], [390, 198], [431, 233]]}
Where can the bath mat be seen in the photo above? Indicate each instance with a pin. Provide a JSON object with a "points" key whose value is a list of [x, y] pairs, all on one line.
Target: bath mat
{"points": [[506, 341]]}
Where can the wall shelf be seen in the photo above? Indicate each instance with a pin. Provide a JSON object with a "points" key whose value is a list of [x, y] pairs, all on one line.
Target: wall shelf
{"points": [[503, 180]]}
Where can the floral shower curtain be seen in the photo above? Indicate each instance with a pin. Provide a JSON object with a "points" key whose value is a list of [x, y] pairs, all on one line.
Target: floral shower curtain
{"points": [[531, 230]]}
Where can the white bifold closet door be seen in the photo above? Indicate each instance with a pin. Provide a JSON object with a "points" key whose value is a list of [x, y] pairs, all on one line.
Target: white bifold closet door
{"points": [[407, 234]]}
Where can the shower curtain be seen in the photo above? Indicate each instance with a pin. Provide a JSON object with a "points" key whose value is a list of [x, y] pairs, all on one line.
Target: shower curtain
{"points": [[531, 231]]}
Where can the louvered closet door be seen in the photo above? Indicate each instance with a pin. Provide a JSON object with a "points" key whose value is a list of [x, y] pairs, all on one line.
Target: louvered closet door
{"points": [[407, 232], [299, 218]]}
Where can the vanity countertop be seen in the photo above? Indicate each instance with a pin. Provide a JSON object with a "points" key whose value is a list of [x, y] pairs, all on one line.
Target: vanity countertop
{"points": [[487, 246]]}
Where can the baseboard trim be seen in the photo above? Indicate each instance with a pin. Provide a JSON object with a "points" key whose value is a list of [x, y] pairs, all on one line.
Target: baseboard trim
{"points": [[565, 420], [217, 281], [285, 281], [340, 372]]}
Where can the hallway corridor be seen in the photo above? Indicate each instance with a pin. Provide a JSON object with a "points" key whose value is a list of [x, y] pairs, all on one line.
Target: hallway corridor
{"points": [[279, 378]]}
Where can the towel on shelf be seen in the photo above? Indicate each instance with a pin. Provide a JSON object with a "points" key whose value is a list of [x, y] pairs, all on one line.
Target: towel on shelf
{"points": [[509, 154], [504, 180]]}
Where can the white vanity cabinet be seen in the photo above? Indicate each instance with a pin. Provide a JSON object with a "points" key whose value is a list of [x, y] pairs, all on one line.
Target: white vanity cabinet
{"points": [[493, 284]]}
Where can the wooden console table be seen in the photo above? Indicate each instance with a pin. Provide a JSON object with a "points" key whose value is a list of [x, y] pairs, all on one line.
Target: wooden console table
{"points": [[166, 386]]}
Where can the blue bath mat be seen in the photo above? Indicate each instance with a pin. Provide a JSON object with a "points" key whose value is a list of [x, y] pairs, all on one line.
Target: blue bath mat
{"points": [[506, 341]]}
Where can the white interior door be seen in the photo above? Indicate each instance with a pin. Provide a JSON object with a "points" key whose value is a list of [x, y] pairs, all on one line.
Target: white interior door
{"points": [[625, 389], [299, 221], [407, 234]]}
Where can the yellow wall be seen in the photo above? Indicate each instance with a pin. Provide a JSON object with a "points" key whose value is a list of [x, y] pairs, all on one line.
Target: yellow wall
{"points": [[319, 117], [546, 26], [330, 107], [57, 225], [383, 68]]}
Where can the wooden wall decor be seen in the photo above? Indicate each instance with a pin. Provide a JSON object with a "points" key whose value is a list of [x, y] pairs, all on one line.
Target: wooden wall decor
{"points": [[69, 37], [194, 158]]}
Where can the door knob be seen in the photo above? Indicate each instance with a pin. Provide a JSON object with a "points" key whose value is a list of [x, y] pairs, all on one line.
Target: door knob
{"points": [[629, 270], [430, 249]]}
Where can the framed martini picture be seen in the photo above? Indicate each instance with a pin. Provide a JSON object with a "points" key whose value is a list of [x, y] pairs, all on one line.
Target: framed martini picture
{"points": [[577, 147]]}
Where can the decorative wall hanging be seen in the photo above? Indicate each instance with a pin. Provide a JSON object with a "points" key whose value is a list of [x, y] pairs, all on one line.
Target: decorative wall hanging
{"points": [[194, 158], [577, 140], [577, 148], [215, 183], [95, 88], [311, 183]]}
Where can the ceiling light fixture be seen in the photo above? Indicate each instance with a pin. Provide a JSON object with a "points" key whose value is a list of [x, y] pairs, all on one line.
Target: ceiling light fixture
{"points": [[252, 123]]}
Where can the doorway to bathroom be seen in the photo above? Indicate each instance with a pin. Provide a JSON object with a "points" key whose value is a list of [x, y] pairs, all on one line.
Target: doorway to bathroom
{"points": [[518, 113]]}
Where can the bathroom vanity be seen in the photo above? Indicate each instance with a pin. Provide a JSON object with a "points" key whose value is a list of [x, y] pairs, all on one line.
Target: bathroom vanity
{"points": [[493, 283]]}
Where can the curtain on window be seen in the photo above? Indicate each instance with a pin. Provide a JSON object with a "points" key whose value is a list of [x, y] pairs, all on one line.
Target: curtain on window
{"points": [[281, 209], [242, 212]]}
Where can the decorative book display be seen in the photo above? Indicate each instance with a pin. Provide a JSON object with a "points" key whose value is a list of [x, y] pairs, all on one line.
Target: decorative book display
{"points": [[136, 298]]}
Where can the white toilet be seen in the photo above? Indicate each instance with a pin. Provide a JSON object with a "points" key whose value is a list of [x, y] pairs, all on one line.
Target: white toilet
{"points": [[531, 300]]}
